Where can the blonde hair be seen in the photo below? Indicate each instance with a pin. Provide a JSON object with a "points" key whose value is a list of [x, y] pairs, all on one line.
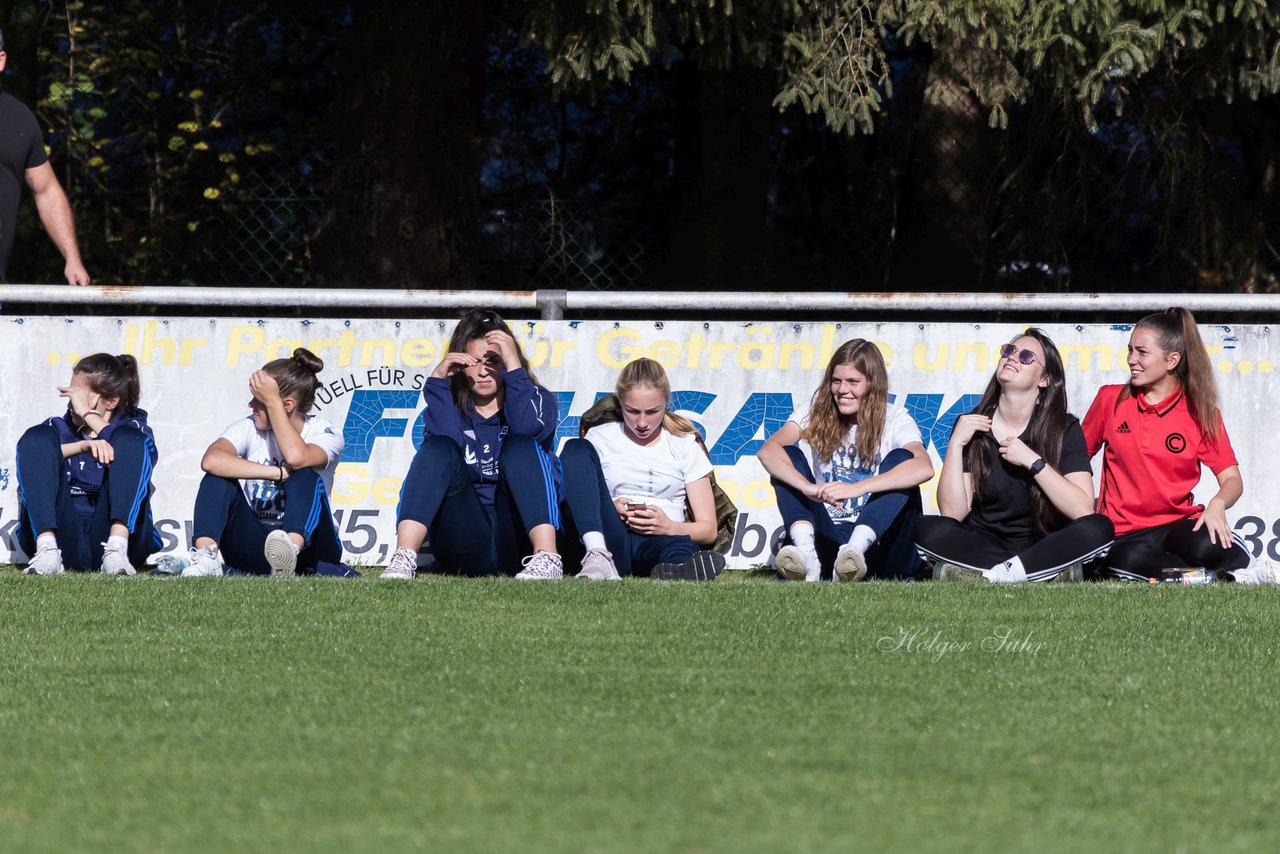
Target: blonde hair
{"points": [[646, 373], [827, 428]]}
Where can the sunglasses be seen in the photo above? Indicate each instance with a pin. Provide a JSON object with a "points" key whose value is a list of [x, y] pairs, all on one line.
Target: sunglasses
{"points": [[1026, 357]]}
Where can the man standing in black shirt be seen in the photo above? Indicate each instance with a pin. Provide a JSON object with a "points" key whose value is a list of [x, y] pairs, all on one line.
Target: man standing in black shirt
{"points": [[22, 159]]}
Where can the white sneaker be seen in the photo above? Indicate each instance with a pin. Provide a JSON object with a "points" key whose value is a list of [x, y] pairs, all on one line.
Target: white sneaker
{"points": [[541, 566], [280, 554], [598, 565], [46, 561], [115, 560], [797, 564], [851, 565], [205, 562], [403, 566], [1258, 572]]}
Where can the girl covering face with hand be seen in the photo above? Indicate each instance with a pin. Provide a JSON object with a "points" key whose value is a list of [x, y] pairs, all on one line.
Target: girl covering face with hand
{"points": [[263, 505], [485, 482], [84, 477]]}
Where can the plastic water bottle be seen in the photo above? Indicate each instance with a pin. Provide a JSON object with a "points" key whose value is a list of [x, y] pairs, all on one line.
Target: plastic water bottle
{"points": [[170, 564], [1189, 575]]}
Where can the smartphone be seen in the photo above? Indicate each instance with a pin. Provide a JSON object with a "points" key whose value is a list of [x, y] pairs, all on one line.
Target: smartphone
{"points": [[632, 505]]}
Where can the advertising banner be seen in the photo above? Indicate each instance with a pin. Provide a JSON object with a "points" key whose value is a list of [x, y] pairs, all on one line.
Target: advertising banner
{"points": [[737, 381]]}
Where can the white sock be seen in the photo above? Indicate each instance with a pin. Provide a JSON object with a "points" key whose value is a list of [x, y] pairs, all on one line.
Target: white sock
{"points": [[802, 537], [1009, 572], [46, 541], [594, 540], [862, 538], [114, 542]]}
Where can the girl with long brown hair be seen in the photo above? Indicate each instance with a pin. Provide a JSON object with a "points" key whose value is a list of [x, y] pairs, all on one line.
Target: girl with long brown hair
{"points": [[485, 482], [1016, 493], [1156, 431], [852, 502]]}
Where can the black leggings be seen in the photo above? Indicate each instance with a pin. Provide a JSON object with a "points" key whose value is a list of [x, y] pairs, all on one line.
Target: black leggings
{"points": [[1139, 555], [943, 539]]}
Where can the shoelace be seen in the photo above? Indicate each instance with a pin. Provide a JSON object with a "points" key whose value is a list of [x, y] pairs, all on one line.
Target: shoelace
{"points": [[540, 563]]}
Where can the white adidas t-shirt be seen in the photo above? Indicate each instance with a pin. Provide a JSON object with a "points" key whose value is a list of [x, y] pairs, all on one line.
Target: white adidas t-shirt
{"points": [[844, 466], [654, 474], [265, 497]]}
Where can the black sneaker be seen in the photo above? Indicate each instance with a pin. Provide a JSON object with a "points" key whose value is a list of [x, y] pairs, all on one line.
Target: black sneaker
{"points": [[703, 566]]}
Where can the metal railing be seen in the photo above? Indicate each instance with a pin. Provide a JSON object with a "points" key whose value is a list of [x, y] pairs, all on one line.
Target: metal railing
{"points": [[558, 304]]}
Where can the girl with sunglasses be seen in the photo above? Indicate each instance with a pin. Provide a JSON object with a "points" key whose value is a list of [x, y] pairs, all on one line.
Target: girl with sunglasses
{"points": [[485, 483], [1016, 493], [851, 503], [1156, 432]]}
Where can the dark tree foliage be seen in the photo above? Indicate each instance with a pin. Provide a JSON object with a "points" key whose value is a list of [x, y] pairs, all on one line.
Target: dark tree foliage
{"points": [[785, 144]]}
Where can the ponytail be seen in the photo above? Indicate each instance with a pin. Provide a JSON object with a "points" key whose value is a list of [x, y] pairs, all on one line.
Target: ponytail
{"points": [[650, 374], [1176, 331], [112, 376]]}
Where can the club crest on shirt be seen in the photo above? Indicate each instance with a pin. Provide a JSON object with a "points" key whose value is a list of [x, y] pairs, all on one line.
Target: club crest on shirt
{"points": [[1176, 443]]}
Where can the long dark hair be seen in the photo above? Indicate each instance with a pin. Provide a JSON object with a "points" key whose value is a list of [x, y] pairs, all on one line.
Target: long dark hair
{"points": [[1048, 421], [1175, 328], [827, 427], [297, 377], [475, 324], [112, 376]]}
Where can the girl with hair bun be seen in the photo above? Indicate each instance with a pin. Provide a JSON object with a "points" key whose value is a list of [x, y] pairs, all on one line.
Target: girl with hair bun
{"points": [[849, 504], [485, 483], [263, 505], [1156, 431], [84, 477], [1016, 493], [628, 484]]}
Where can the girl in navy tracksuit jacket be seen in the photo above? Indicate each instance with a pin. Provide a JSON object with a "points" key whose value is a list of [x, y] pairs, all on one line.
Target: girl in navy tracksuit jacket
{"points": [[84, 477], [485, 483]]}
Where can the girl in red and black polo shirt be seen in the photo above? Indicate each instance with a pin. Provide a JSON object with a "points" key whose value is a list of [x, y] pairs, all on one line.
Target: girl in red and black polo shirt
{"points": [[1157, 431]]}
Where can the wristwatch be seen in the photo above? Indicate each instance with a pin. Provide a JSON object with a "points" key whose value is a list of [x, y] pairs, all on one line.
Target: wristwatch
{"points": [[1037, 466]]}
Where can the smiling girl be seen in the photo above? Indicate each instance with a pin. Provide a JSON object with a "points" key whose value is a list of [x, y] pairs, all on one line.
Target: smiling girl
{"points": [[639, 489], [1156, 432], [858, 514], [1016, 491], [485, 482], [84, 477]]}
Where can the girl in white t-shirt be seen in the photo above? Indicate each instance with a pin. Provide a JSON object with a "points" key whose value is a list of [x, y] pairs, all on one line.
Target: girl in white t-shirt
{"points": [[862, 506], [263, 506], [628, 481]]}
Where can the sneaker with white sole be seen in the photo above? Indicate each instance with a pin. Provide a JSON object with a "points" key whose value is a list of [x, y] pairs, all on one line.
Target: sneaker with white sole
{"points": [[281, 556], [403, 566], [204, 562], [797, 564], [1257, 572], [46, 561], [701, 566], [955, 572], [115, 560], [541, 566], [850, 565], [598, 565]]}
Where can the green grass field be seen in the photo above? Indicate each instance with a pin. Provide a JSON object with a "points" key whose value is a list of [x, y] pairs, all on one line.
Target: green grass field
{"points": [[322, 715]]}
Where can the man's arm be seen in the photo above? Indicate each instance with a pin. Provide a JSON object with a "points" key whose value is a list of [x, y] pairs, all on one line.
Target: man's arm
{"points": [[55, 213]]}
